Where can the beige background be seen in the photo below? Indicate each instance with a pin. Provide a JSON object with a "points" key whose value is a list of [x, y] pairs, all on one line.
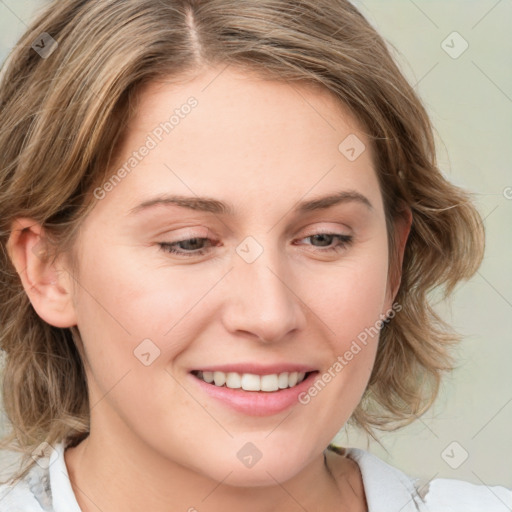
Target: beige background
{"points": [[470, 101]]}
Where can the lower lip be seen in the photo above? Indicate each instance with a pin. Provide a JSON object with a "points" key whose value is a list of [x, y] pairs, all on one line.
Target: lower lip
{"points": [[256, 403]]}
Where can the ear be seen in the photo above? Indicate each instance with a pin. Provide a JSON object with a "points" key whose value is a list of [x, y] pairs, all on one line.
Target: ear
{"points": [[402, 227], [48, 286]]}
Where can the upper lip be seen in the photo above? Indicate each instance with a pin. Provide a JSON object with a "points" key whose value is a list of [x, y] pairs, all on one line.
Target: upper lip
{"points": [[257, 369]]}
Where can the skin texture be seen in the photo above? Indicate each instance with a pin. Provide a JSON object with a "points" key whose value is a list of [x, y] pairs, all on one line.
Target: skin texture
{"points": [[261, 146]]}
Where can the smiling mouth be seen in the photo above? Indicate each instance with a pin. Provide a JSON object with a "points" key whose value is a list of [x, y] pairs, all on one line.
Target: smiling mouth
{"points": [[251, 382]]}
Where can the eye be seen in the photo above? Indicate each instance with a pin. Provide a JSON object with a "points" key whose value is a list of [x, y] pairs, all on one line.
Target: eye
{"points": [[326, 240], [189, 247]]}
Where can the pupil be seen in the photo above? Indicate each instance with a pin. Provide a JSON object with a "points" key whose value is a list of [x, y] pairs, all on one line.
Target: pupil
{"points": [[193, 242], [325, 237]]}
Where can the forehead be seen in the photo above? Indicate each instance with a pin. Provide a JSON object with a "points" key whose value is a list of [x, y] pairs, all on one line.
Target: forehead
{"points": [[246, 137], [228, 96]]}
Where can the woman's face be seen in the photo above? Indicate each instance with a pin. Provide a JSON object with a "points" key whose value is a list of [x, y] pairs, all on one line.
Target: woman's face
{"points": [[272, 278]]}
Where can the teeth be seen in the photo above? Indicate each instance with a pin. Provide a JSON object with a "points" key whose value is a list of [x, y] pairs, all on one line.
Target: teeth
{"points": [[251, 382], [208, 377], [219, 378], [283, 380], [233, 380], [269, 382]]}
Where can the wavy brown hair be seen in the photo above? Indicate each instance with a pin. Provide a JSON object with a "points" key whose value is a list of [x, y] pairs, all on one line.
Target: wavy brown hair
{"points": [[62, 118]]}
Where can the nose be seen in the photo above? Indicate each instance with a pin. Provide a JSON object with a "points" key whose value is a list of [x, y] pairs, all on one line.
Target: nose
{"points": [[260, 298]]}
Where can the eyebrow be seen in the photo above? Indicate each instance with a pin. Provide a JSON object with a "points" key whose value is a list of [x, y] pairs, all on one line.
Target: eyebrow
{"points": [[210, 205]]}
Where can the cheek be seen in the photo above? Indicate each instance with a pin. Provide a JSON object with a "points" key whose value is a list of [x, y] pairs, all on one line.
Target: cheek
{"points": [[350, 296], [133, 323], [124, 293], [350, 302], [132, 318]]}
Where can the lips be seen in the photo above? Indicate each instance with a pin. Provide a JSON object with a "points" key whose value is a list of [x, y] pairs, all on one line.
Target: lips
{"points": [[254, 403]]}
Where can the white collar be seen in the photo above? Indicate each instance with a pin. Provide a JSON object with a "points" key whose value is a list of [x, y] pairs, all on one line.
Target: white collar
{"points": [[387, 489], [64, 499]]}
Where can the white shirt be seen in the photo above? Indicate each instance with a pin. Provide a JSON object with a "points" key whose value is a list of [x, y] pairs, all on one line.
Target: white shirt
{"points": [[47, 488]]}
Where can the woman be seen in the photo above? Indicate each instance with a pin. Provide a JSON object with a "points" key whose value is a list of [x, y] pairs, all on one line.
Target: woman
{"points": [[220, 220]]}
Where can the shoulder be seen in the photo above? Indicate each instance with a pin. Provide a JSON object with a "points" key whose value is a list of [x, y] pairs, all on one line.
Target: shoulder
{"points": [[44, 488], [29, 494], [460, 496], [385, 487]]}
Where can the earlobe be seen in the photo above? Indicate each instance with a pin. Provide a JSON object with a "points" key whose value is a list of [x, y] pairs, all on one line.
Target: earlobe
{"points": [[47, 286]]}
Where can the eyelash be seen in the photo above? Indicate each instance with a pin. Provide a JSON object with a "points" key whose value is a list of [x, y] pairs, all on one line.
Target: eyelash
{"points": [[168, 247]]}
